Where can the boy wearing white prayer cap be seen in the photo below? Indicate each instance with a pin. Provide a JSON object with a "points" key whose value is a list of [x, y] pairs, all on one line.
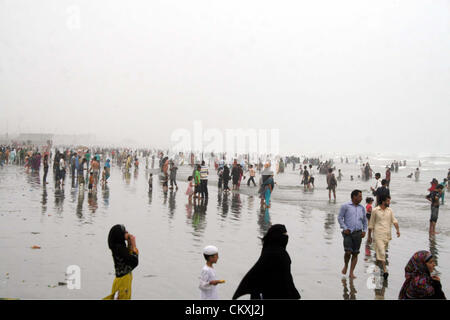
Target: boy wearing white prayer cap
{"points": [[208, 280]]}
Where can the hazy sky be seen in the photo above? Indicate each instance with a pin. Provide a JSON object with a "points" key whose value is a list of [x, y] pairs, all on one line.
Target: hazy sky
{"points": [[330, 75]]}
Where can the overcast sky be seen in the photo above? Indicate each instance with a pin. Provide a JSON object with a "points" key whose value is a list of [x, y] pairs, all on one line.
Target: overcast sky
{"points": [[330, 75]]}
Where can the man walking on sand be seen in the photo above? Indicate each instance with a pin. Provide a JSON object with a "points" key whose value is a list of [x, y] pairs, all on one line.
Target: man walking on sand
{"points": [[381, 221], [353, 222]]}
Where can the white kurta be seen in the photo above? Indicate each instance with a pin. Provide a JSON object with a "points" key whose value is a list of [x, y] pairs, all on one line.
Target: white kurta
{"points": [[208, 291], [377, 184]]}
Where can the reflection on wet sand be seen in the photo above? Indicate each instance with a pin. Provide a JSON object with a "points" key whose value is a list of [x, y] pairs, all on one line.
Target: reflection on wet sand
{"points": [[236, 205], [44, 199], [34, 180], [73, 194], [251, 203], [379, 293], [349, 295], [330, 221], [172, 203], [92, 201], [127, 177], [165, 194], [435, 252], [80, 203], [105, 194], [189, 210], [199, 216], [150, 196], [264, 221], [59, 199], [222, 204]]}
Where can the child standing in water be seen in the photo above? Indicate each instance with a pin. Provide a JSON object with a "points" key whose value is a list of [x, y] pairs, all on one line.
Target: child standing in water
{"points": [[339, 177], [252, 176], [126, 258], [208, 280], [369, 201], [190, 189]]}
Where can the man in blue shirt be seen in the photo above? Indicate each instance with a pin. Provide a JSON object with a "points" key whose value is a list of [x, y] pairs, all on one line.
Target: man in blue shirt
{"points": [[353, 222]]}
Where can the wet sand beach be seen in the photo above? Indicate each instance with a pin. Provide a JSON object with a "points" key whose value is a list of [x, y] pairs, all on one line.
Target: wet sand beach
{"points": [[71, 227]]}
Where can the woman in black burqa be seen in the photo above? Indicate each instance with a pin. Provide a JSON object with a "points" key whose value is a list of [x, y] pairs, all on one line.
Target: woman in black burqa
{"points": [[270, 277]]}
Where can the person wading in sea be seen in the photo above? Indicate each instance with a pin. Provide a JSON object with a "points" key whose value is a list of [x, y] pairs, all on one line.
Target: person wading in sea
{"points": [[332, 184], [434, 197]]}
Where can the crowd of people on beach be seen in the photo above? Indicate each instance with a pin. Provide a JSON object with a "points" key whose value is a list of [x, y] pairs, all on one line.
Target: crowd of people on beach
{"points": [[270, 277]]}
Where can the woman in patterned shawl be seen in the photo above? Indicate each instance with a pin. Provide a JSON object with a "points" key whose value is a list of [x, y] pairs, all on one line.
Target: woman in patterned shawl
{"points": [[419, 283]]}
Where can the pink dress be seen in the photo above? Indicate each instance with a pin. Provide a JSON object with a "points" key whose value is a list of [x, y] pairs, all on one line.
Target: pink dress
{"points": [[190, 189]]}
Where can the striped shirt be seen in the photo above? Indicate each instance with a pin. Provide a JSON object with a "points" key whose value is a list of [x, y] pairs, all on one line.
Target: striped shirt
{"points": [[204, 173]]}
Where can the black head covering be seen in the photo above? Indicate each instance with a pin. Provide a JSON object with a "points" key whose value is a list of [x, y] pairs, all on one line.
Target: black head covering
{"points": [[275, 237], [270, 277], [124, 260], [116, 237]]}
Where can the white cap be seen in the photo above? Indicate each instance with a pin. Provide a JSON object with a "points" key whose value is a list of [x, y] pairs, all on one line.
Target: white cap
{"points": [[210, 250]]}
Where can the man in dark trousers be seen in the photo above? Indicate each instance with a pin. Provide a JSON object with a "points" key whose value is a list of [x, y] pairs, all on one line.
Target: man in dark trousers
{"points": [[204, 180], [383, 190]]}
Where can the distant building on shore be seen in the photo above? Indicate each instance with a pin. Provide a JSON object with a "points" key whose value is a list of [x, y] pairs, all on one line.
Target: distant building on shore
{"points": [[39, 139], [74, 139], [48, 139]]}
